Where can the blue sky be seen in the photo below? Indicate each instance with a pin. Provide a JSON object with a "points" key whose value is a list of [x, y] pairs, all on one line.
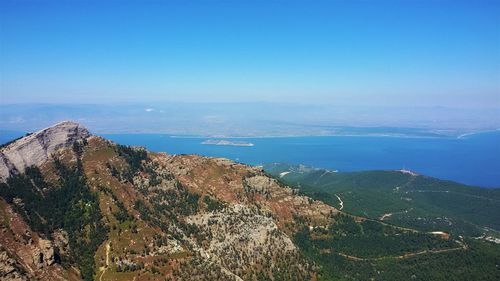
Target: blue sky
{"points": [[381, 53]]}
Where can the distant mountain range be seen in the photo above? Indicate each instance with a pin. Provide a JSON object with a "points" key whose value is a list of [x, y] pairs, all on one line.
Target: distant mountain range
{"points": [[75, 206]]}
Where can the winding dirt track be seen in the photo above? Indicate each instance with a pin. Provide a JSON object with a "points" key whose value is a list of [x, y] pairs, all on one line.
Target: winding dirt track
{"points": [[462, 246], [341, 202], [108, 247]]}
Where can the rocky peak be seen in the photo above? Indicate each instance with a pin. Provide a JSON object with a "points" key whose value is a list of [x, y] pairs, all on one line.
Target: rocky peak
{"points": [[36, 148]]}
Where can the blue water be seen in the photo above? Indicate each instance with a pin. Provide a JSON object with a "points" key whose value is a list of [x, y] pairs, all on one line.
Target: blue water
{"points": [[473, 160]]}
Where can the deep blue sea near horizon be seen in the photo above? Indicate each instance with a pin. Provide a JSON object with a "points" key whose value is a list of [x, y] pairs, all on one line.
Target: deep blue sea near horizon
{"points": [[473, 160]]}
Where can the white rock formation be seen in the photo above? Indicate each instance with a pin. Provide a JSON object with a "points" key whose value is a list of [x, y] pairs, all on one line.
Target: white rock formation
{"points": [[36, 148]]}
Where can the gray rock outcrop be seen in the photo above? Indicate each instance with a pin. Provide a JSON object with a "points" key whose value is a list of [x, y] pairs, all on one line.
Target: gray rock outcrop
{"points": [[44, 255], [36, 148]]}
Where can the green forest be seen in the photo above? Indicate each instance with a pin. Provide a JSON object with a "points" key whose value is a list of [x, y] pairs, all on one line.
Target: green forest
{"points": [[398, 247]]}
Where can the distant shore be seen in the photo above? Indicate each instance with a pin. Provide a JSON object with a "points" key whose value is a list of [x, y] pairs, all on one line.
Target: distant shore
{"points": [[346, 134], [227, 143]]}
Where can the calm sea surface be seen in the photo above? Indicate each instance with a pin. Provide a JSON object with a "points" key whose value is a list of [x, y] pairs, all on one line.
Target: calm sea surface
{"points": [[472, 160]]}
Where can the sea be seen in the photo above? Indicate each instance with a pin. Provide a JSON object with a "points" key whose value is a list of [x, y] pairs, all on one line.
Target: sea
{"points": [[472, 159]]}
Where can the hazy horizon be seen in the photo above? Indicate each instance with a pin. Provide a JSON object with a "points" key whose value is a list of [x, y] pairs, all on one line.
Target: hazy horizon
{"points": [[251, 119]]}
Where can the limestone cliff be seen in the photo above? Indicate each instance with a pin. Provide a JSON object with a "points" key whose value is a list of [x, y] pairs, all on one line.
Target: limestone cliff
{"points": [[36, 148]]}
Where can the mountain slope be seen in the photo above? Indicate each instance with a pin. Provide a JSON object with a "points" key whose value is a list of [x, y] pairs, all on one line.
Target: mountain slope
{"points": [[96, 210], [127, 212], [400, 197]]}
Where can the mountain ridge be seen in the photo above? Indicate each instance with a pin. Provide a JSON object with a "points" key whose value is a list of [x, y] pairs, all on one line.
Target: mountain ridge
{"points": [[105, 211]]}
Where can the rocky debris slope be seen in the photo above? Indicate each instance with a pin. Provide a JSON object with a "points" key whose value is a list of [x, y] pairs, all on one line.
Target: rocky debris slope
{"points": [[241, 184], [24, 255], [9, 268], [36, 148], [240, 238]]}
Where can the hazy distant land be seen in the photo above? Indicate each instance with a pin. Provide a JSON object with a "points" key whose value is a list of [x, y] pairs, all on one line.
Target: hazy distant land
{"points": [[229, 120], [226, 142]]}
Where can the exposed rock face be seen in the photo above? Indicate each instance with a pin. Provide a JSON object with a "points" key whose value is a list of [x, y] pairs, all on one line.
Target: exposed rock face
{"points": [[60, 239], [44, 255], [9, 268], [36, 148], [24, 255]]}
